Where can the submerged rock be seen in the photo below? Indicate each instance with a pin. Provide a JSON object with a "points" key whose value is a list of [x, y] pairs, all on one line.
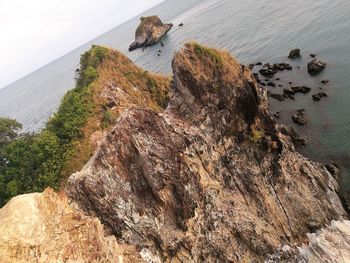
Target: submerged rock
{"points": [[211, 178], [294, 53], [319, 96], [315, 66], [149, 32], [300, 118]]}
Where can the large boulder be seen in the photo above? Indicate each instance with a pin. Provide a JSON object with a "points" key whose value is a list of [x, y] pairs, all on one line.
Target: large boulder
{"points": [[210, 179], [42, 227], [149, 32]]}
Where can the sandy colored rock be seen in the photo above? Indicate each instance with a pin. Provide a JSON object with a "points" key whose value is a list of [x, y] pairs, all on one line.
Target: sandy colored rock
{"points": [[42, 227]]}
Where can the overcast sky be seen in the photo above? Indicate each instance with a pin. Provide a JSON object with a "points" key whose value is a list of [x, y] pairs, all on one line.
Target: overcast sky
{"points": [[35, 32]]}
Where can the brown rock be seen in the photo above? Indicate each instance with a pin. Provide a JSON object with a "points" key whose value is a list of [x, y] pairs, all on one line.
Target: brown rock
{"points": [[149, 32], [210, 179]]}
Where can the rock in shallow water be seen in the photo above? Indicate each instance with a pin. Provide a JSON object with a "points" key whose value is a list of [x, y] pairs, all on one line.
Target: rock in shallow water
{"points": [[294, 53], [315, 66], [149, 32]]}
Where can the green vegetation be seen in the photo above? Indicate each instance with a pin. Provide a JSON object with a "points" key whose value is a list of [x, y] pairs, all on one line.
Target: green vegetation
{"points": [[107, 119], [32, 162], [255, 136], [208, 52]]}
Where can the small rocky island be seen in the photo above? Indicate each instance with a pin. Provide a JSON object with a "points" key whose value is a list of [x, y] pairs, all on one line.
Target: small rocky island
{"points": [[149, 32]]}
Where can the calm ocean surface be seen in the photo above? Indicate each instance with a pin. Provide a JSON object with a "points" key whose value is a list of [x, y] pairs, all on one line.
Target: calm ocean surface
{"points": [[252, 31]]}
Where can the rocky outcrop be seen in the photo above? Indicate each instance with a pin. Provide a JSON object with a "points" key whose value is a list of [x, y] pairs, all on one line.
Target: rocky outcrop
{"points": [[331, 244], [149, 32], [44, 228], [210, 179]]}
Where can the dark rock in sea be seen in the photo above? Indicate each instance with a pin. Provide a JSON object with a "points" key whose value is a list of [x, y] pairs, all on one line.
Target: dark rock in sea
{"points": [[162, 44], [318, 96], [181, 24], [312, 55], [280, 85], [290, 83], [325, 81], [315, 66], [277, 78], [282, 66], [277, 96], [251, 66], [149, 32], [299, 118], [302, 89], [267, 70], [294, 53], [158, 54], [287, 93], [296, 139], [258, 63], [271, 84]]}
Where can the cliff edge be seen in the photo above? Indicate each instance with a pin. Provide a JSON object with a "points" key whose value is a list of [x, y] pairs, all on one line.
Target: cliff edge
{"points": [[210, 178]]}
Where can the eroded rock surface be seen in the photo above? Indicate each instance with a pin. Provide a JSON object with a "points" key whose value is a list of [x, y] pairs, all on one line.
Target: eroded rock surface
{"points": [[331, 244], [149, 32], [210, 179], [42, 228]]}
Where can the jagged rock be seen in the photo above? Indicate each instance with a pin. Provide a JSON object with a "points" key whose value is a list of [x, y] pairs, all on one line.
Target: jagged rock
{"points": [[294, 53], [313, 55], [296, 139], [315, 66], [44, 228], [149, 32], [325, 81], [271, 84], [211, 178], [319, 96], [181, 24], [330, 244], [258, 63]]}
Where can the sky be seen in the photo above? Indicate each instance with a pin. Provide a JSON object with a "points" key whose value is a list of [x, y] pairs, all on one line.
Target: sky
{"points": [[36, 32]]}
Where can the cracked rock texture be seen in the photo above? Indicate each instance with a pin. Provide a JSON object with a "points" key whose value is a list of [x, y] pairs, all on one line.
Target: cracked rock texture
{"points": [[211, 178], [43, 228], [330, 244]]}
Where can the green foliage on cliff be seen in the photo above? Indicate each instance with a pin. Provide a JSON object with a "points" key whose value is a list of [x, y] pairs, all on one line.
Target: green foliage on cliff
{"points": [[32, 162], [208, 52]]}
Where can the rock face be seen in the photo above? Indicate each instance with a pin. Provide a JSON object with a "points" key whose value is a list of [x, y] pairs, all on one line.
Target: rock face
{"points": [[149, 32], [44, 228], [210, 179]]}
